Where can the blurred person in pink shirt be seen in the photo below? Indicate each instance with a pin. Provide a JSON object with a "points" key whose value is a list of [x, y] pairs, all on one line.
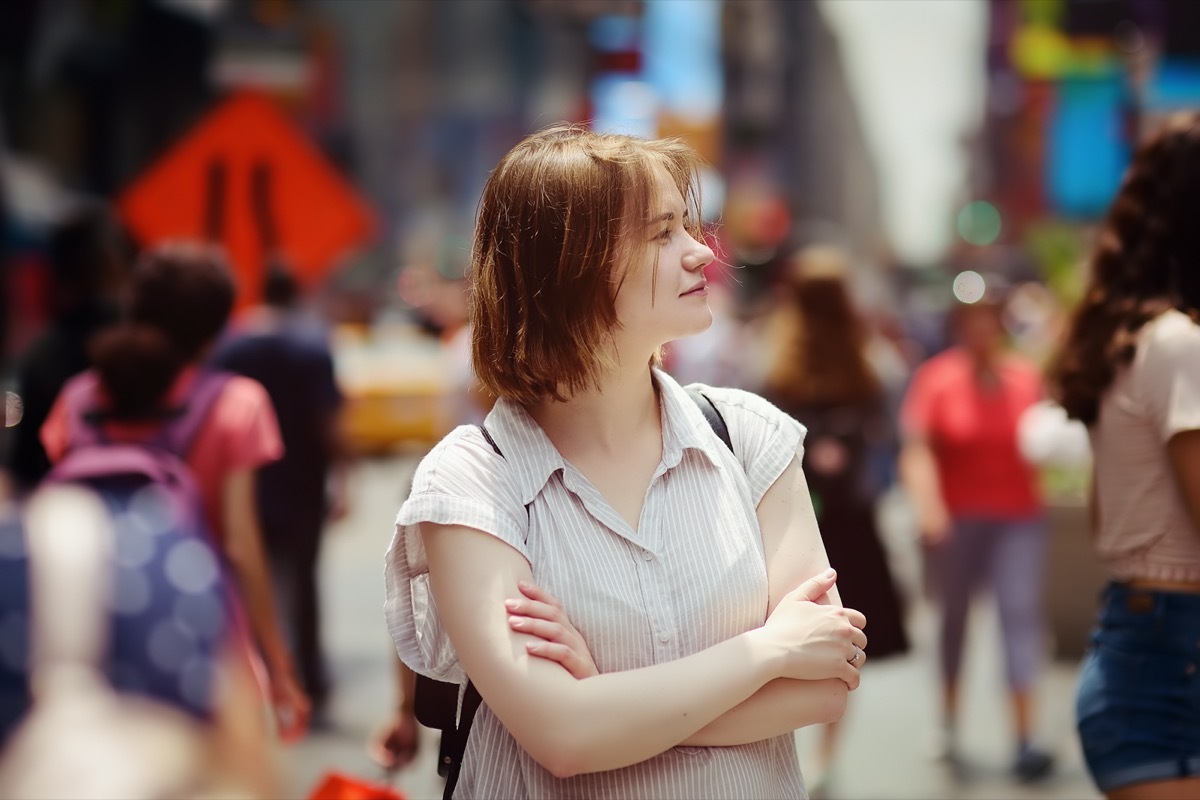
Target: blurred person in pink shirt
{"points": [[978, 506], [178, 299]]}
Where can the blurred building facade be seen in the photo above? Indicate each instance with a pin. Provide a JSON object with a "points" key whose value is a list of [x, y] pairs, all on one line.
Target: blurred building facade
{"points": [[416, 101]]}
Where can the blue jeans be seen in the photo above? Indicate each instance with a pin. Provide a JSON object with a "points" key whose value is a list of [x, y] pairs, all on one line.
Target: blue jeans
{"points": [[1138, 702]]}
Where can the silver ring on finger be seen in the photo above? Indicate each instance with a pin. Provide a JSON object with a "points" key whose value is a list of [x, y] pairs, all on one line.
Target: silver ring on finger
{"points": [[857, 654]]}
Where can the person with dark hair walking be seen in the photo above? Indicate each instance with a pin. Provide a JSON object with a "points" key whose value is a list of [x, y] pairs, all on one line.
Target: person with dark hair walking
{"points": [[296, 494], [85, 258], [819, 373], [1129, 368], [177, 300]]}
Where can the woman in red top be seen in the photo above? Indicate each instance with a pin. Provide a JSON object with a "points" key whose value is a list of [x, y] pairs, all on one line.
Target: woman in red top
{"points": [[978, 505], [178, 299]]}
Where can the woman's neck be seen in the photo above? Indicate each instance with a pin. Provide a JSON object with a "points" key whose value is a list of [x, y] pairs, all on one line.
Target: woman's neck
{"points": [[986, 365], [602, 419]]}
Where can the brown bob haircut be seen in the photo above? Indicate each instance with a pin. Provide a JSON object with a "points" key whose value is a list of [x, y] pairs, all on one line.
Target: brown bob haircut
{"points": [[561, 218]]}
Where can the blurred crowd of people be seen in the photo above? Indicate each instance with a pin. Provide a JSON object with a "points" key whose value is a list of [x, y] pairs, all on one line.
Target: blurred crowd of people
{"points": [[271, 469], [136, 345]]}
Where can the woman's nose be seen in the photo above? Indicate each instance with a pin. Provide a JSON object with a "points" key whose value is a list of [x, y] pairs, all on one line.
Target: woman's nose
{"points": [[699, 257]]}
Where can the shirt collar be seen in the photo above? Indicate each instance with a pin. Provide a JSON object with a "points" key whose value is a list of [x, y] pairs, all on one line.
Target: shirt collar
{"points": [[684, 425], [526, 447]]}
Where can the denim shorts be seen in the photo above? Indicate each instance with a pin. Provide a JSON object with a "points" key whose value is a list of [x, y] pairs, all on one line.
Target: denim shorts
{"points": [[1138, 701]]}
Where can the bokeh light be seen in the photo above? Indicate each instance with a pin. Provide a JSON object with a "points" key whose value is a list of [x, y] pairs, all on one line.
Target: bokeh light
{"points": [[979, 223], [14, 409], [969, 287]]}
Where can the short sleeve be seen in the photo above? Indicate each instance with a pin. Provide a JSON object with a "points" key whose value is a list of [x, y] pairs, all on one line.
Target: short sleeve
{"points": [[462, 481], [1170, 376], [764, 438], [246, 419], [54, 430]]}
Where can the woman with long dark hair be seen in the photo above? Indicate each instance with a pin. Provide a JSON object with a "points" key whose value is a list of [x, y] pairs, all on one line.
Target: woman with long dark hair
{"points": [[1129, 369], [821, 375]]}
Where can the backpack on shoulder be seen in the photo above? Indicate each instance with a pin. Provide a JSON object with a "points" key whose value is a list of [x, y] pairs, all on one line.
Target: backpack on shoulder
{"points": [[81, 738], [151, 475], [436, 703]]}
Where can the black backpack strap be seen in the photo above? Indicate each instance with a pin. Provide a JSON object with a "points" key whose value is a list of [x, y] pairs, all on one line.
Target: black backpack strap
{"points": [[711, 415], [454, 742], [490, 440], [454, 738]]}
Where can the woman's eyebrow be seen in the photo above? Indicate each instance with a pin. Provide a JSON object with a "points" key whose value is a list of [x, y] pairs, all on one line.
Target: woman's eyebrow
{"points": [[666, 216]]}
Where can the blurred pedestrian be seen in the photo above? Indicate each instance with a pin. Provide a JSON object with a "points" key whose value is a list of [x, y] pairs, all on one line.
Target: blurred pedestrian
{"points": [[297, 494], [1129, 368], [167, 642], [177, 300], [184, 690], [979, 508], [85, 257], [591, 559], [820, 374], [441, 304]]}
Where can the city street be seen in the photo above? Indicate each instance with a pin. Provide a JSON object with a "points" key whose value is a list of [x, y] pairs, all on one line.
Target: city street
{"points": [[888, 736]]}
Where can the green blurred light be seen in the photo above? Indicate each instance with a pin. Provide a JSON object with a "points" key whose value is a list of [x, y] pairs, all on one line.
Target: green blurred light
{"points": [[979, 223]]}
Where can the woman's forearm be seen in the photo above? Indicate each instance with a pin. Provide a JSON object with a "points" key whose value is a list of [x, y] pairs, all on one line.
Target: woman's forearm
{"points": [[919, 476], [615, 719], [780, 707], [248, 561], [618, 719]]}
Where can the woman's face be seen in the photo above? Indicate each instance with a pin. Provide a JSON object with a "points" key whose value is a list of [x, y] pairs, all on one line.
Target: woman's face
{"points": [[980, 329], [656, 308]]}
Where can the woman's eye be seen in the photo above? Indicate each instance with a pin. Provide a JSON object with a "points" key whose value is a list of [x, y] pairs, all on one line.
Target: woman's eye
{"points": [[665, 235]]}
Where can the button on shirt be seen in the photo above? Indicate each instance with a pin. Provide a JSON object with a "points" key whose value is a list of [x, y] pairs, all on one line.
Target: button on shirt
{"points": [[692, 575]]}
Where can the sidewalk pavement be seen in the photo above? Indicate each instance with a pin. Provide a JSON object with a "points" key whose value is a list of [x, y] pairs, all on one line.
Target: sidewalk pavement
{"points": [[888, 734]]}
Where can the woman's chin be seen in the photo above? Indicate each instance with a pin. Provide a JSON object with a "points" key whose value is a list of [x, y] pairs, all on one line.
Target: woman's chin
{"points": [[693, 327]]}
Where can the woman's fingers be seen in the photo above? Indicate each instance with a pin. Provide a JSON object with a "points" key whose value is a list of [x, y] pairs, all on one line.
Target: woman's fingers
{"points": [[563, 655], [850, 677], [536, 609], [537, 593], [815, 587], [856, 617], [543, 629]]}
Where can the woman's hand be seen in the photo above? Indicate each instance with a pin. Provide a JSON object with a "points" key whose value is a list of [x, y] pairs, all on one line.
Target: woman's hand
{"points": [[291, 705], [394, 744], [539, 614], [820, 641]]}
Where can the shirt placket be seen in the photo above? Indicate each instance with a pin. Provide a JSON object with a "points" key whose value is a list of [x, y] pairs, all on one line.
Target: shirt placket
{"points": [[653, 576]]}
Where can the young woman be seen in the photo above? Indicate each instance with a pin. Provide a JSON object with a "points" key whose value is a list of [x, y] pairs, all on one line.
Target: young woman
{"points": [[1130, 370], [178, 299], [818, 371], [704, 626]]}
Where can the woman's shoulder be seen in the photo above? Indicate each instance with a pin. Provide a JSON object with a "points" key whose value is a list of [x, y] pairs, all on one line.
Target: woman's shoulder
{"points": [[1172, 329], [1170, 339], [745, 408], [764, 438], [462, 457]]}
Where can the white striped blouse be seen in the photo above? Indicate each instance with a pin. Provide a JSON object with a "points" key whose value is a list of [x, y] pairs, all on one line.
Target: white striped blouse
{"points": [[693, 574]]}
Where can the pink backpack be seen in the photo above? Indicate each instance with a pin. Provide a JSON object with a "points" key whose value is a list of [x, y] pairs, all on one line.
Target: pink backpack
{"points": [[120, 470]]}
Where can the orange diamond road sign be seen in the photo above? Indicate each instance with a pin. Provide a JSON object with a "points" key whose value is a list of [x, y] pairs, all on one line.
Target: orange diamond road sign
{"points": [[247, 178]]}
